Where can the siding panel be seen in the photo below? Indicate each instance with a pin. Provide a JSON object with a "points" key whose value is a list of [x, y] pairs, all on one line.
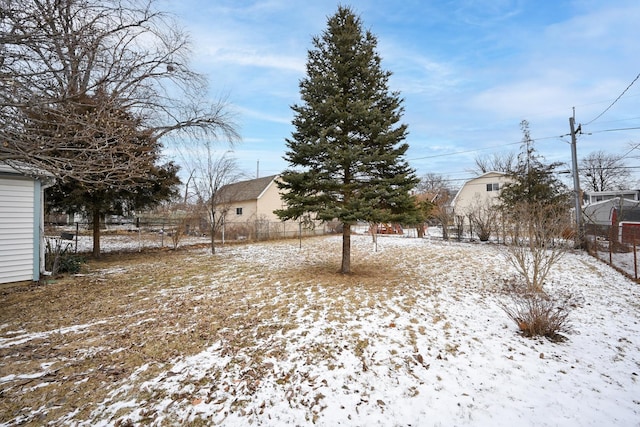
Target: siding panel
{"points": [[16, 229]]}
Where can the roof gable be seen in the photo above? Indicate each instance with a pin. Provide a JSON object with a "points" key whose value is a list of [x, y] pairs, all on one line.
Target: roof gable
{"points": [[490, 174], [246, 190], [470, 182]]}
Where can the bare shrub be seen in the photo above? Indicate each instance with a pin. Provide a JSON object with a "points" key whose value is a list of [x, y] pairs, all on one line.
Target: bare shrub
{"points": [[538, 314], [458, 226], [536, 242], [483, 217], [176, 235]]}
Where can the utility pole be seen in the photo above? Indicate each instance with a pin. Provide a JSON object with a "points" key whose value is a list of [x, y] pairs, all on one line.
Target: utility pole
{"points": [[576, 179]]}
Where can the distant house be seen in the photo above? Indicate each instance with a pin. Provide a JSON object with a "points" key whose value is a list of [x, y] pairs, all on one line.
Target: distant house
{"points": [[21, 224], [602, 213], [482, 191], [600, 196], [250, 200], [620, 213]]}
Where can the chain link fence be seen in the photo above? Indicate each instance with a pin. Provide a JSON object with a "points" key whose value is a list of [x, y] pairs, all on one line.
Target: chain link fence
{"points": [[141, 233], [617, 245]]}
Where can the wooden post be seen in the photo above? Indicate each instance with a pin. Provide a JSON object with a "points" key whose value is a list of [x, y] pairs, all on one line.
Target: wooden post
{"points": [[610, 252], [576, 181], [635, 260]]}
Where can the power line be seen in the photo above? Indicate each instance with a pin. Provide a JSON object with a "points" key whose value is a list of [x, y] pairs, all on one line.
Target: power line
{"points": [[613, 130], [454, 153], [614, 101], [629, 152], [620, 120]]}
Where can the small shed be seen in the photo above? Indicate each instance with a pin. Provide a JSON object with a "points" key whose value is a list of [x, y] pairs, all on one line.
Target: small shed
{"points": [[21, 223], [628, 222]]}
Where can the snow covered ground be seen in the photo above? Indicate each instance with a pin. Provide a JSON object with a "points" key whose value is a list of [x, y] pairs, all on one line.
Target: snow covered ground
{"points": [[132, 241], [415, 338]]}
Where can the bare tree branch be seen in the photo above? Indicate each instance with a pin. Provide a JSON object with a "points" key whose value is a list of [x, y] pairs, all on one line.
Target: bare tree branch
{"points": [[604, 172], [209, 174], [498, 162], [60, 57]]}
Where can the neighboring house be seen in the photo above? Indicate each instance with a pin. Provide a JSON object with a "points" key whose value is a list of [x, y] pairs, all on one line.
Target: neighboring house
{"points": [[627, 218], [602, 213], [251, 200], [621, 213], [481, 191], [599, 196], [21, 224]]}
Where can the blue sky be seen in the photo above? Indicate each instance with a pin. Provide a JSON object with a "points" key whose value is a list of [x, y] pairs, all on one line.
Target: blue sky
{"points": [[469, 71]]}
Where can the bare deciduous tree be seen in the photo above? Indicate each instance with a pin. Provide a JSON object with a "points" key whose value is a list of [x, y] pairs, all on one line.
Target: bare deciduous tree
{"points": [[57, 56], [210, 174], [432, 183], [442, 211], [496, 162], [434, 196], [604, 172]]}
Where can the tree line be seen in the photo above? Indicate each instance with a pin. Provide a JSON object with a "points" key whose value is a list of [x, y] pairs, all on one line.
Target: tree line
{"points": [[92, 91]]}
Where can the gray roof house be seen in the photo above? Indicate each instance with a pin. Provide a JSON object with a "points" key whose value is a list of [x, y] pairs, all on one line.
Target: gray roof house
{"points": [[251, 200], [21, 223]]}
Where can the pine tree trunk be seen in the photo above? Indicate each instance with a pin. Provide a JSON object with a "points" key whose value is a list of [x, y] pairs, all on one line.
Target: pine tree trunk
{"points": [[96, 233], [346, 249]]}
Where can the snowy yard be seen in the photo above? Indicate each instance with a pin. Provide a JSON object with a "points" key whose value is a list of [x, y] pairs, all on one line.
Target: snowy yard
{"points": [[270, 334]]}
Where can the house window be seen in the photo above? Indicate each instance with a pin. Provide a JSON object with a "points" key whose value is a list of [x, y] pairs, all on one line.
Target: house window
{"points": [[493, 187], [238, 211]]}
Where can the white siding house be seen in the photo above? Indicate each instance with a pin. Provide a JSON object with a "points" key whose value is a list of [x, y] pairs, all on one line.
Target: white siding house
{"points": [[21, 225], [251, 200], [600, 196], [480, 191]]}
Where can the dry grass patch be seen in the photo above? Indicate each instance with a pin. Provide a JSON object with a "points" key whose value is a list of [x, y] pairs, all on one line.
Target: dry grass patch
{"points": [[73, 339], [78, 341]]}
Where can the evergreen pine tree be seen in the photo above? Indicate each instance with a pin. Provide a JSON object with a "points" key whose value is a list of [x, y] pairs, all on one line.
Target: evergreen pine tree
{"points": [[535, 202], [533, 182], [346, 153]]}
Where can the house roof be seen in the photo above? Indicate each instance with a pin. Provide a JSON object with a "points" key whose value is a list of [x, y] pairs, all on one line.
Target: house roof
{"points": [[25, 170], [245, 190], [490, 174], [612, 203], [612, 193]]}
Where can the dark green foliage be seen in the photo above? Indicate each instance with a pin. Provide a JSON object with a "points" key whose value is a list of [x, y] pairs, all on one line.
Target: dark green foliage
{"points": [[346, 153], [59, 257], [534, 183], [146, 186], [75, 196], [71, 263]]}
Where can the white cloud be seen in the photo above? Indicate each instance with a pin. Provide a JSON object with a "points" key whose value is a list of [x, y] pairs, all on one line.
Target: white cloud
{"points": [[469, 70], [486, 12], [254, 58]]}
